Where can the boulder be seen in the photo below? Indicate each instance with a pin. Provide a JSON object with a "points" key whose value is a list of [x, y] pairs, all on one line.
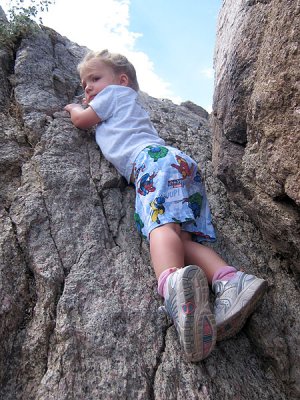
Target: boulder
{"points": [[78, 302], [256, 150]]}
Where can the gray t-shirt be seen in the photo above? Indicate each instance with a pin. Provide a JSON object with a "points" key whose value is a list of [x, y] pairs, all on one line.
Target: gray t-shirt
{"points": [[125, 128]]}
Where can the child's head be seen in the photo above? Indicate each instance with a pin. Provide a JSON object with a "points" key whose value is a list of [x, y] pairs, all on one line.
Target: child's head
{"points": [[116, 62]]}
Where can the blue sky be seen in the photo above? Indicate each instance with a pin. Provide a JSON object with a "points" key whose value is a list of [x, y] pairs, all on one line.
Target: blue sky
{"points": [[170, 42], [179, 37]]}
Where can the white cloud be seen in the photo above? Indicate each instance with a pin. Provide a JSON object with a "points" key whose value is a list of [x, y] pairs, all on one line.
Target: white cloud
{"points": [[149, 81], [207, 73], [104, 24]]}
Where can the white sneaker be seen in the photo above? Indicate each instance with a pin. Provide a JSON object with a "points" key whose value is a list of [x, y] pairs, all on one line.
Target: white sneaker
{"points": [[186, 302], [235, 300]]}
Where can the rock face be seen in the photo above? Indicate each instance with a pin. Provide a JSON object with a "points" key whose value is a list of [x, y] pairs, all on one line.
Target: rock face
{"points": [[256, 144], [257, 115], [78, 300]]}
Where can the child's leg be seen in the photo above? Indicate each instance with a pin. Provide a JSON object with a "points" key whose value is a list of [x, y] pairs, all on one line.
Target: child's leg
{"points": [[185, 292], [204, 257], [172, 248], [237, 293], [166, 248]]}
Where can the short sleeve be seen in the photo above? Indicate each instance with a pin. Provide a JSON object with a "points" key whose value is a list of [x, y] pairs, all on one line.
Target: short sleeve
{"points": [[104, 103]]}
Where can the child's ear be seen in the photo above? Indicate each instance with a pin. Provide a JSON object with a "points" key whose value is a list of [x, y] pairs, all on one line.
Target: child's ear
{"points": [[124, 81]]}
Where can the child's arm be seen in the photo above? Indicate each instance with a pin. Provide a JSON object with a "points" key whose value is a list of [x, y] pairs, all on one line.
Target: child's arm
{"points": [[82, 118]]}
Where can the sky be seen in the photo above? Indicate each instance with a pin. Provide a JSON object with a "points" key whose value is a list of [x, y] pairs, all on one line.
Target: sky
{"points": [[170, 42]]}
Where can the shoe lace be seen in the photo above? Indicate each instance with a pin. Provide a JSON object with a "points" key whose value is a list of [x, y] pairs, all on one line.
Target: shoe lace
{"points": [[218, 288]]}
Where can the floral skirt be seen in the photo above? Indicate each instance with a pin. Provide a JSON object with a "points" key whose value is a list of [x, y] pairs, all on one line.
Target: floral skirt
{"points": [[170, 189]]}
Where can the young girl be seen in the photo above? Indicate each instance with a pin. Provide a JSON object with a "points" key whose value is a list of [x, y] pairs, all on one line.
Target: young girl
{"points": [[171, 208]]}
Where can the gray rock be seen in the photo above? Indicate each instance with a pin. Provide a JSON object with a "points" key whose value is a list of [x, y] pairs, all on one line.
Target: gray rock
{"points": [[78, 299], [256, 150], [5, 68], [256, 116], [196, 109]]}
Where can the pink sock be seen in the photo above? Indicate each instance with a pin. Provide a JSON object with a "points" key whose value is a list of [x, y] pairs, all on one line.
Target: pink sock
{"points": [[224, 274], [163, 279]]}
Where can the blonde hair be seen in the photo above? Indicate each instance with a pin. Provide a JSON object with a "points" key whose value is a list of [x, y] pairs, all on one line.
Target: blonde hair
{"points": [[118, 63]]}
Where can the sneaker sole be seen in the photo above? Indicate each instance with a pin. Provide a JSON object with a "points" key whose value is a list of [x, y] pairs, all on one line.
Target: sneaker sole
{"points": [[242, 309], [196, 323]]}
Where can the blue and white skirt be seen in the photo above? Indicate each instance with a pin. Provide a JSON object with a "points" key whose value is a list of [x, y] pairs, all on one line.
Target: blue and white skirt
{"points": [[170, 189]]}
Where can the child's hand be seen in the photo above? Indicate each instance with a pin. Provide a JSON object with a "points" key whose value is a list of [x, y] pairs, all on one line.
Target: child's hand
{"points": [[70, 107], [83, 118]]}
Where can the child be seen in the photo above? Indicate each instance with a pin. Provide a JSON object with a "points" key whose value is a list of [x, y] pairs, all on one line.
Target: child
{"points": [[171, 208]]}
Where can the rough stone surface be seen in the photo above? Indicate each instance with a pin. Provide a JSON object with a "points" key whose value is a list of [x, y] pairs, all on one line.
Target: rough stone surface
{"points": [[78, 300], [257, 114], [256, 148], [196, 109]]}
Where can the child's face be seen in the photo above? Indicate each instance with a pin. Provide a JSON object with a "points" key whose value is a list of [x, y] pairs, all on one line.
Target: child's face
{"points": [[95, 76]]}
